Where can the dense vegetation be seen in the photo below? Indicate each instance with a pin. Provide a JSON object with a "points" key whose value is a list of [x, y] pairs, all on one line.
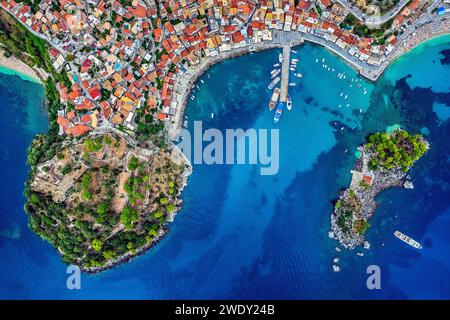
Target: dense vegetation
{"points": [[397, 150], [394, 151], [360, 29], [347, 208], [17, 41], [33, 4], [50, 221], [87, 228]]}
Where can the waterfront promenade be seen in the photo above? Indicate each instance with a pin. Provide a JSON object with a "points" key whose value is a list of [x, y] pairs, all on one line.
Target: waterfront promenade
{"points": [[416, 34]]}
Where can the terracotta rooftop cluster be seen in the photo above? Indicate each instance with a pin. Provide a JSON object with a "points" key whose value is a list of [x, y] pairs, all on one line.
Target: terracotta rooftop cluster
{"points": [[124, 56]]}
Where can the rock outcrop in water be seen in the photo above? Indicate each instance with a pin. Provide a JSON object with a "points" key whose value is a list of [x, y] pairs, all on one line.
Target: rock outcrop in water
{"points": [[383, 163]]}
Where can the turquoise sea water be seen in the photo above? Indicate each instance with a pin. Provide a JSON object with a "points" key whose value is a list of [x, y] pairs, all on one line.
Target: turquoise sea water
{"points": [[243, 235]]}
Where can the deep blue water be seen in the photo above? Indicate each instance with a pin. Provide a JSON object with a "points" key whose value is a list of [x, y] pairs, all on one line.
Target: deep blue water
{"points": [[243, 235]]}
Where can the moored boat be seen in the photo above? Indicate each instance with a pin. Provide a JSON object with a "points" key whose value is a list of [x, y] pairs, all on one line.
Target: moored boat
{"points": [[298, 75], [277, 72], [289, 103], [280, 58], [408, 240], [274, 98], [273, 83], [277, 115]]}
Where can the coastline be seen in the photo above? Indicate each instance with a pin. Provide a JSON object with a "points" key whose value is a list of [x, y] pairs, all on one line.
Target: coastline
{"points": [[127, 257], [181, 158], [186, 82], [411, 44], [356, 204], [14, 66]]}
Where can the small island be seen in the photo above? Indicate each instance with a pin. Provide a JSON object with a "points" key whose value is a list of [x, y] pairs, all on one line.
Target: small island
{"points": [[383, 162], [104, 198]]}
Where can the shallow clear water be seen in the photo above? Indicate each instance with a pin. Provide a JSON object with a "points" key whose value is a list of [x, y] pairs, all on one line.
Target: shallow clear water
{"points": [[243, 235]]}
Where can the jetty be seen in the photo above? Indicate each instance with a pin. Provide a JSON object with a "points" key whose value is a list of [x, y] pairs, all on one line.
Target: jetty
{"points": [[285, 72]]}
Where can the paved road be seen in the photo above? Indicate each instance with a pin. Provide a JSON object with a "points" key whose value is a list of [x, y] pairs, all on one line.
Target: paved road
{"points": [[373, 20]]}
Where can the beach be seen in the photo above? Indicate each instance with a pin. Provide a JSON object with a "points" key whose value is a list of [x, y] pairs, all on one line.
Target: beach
{"points": [[14, 65]]}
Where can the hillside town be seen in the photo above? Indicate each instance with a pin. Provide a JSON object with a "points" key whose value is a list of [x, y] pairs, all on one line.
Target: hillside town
{"points": [[129, 61]]}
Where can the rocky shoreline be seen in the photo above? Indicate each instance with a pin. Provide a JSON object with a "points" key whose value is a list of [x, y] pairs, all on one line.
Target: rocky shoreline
{"points": [[356, 204], [126, 257], [368, 205]]}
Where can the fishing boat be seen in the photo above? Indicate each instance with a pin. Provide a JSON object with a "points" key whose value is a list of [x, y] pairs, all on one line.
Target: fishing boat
{"points": [[277, 115], [298, 75], [408, 240], [289, 103], [292, 84], [277, 72], [274, 98], [280, 58], [273, 83]]}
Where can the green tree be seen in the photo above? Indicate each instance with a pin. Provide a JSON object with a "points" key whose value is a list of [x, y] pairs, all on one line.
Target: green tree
{"points": [[133, 163], [128, 217], [97, 244]]}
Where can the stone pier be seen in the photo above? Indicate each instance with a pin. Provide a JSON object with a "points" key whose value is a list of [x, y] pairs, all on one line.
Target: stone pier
{"points": [[285, 72]]}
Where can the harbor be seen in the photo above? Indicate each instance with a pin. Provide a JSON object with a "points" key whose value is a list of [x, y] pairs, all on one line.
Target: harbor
{"points": [[280, 95]]}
